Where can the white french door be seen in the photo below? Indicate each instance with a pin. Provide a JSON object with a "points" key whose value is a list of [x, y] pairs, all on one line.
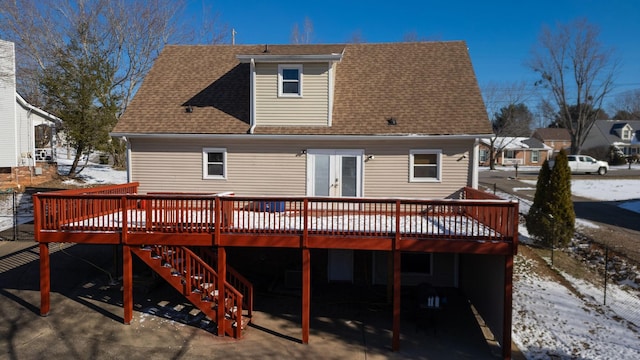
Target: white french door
{"points": [[336, 173]]}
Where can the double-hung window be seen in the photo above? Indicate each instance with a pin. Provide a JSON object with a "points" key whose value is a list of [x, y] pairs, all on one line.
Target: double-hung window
{"points": [[425, 165], [214, 163], [290, 80], [535, 156]]}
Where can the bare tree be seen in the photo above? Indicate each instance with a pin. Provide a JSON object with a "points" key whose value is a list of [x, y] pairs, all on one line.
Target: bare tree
{"points": [[356, 38], [131, 34], [303, 36], [501, 100], [413, 36], [577, 70], [627, 105]]}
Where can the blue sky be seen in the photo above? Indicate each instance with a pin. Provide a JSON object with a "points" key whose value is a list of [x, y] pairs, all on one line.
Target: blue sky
{"points": [[499, 34]]}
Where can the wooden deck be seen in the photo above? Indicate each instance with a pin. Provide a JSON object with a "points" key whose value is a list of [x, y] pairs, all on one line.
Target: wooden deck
{"points": [[476, 223]]}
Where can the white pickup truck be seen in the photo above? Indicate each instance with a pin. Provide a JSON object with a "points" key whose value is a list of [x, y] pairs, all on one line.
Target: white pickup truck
{"points": [[587, 164]]}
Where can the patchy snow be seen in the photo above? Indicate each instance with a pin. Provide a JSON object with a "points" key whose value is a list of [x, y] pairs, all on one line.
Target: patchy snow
{"points": [[92, 174], [549, 321], [625, 190]]}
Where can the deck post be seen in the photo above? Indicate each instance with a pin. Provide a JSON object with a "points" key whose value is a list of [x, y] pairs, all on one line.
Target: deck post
{"points": [[508, 303], [127, 283], [45, 280], [222, 276], [395, 343], [306, 294]]}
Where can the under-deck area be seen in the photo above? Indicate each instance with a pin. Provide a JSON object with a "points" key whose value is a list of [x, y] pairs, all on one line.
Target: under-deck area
{"points": [[190, 234]]}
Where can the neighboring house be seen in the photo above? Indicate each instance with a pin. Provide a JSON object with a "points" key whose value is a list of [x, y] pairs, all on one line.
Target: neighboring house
{"points": [[557, 138], [515, 150], [622, 134], [395, 120], [27, 133]]}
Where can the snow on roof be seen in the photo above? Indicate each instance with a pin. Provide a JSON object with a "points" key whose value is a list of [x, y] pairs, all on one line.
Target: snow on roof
{"points": [[516, 143]]}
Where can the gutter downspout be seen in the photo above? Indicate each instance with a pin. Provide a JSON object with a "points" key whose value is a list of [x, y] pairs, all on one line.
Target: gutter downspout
{"points": [[474, 163], [128, 154], [253, 97]]}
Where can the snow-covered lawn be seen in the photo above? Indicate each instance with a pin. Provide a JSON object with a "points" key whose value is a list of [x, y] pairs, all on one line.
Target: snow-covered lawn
{"points": [[549, 321]]}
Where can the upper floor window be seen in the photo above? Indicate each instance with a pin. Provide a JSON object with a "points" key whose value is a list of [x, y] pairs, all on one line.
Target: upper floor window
{"points": [[214, 163], [425, 165], [626, 134], [290, 80]]}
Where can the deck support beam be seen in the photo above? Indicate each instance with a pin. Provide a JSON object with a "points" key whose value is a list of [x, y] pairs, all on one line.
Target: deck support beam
{"points": [[306, 294], [508, 303], [127, 283], [222, 276], [45, 280], [397, 277], [395, 343]]}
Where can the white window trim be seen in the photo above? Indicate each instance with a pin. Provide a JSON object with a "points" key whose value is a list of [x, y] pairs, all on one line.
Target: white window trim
{"points": [[282, 67], [205, 163], [537, 156], [438, 177]]}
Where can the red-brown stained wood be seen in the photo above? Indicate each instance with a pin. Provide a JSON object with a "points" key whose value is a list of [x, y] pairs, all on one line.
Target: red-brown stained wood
{"points": [[45, 280], [127, 284]]}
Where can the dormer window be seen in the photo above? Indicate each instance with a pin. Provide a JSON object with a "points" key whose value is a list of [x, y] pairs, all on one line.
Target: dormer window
{"points": [[626, 134], [290, 80]]}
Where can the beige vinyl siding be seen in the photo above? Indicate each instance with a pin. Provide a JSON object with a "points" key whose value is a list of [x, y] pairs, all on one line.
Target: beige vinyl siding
{"points": [[388, 173], [278, 167], [311, 109], [253, 169]]}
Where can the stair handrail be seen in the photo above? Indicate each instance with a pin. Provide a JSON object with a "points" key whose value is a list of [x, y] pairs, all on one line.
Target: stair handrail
{"points": [[234, 279], [233, 298]]}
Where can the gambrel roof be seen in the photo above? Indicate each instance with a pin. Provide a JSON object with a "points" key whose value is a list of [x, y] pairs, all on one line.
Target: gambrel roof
{"points": [[429, 88]]}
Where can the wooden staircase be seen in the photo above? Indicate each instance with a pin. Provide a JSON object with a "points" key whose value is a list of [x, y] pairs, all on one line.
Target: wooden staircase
{"points": [[199, 283]]}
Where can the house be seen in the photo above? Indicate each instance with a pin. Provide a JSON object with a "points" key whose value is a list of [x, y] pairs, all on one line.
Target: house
{"points": [[557, 138], [27, 133], [514, 150], [621, 134], [325, 149]]}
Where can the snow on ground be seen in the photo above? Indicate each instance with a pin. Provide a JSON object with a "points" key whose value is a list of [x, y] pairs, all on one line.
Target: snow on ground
{"points": [[625, 190], [92, 174], [549, 321]]}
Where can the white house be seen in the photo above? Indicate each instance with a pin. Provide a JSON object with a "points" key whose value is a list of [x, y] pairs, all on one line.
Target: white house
{"points": [[27, 133]]}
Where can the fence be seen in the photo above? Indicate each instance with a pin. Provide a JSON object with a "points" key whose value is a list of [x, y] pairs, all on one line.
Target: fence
{"points": [[615, 278], [16, 208]]}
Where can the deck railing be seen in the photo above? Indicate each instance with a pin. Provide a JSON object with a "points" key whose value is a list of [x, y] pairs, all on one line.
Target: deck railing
{"points": [[477, 215]]}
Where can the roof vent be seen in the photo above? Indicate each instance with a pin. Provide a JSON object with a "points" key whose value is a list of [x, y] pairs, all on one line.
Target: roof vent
{"points": [[392, 121], [189, 109], [266, 48]]}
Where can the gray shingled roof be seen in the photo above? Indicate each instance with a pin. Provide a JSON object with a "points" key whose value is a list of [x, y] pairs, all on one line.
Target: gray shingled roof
{"points": [[603, 132], [428, 87]]}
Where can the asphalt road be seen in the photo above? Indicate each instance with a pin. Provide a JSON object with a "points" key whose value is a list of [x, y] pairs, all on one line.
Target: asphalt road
{"points": [[623, 226]]}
